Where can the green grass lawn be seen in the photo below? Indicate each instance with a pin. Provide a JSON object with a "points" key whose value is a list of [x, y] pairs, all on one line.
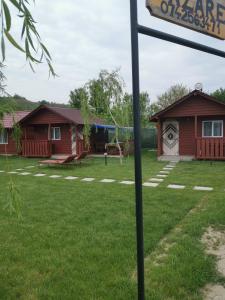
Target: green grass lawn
{"points": [[76, 240], [92, 167]]}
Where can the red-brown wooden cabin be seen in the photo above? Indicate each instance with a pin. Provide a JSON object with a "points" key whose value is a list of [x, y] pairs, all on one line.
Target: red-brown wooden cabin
{"points": [[7, 142], [192, 128], [47, 131]]}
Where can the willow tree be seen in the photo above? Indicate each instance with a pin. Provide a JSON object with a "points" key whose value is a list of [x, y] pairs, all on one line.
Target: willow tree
{"points": [[35, 52], [105, 97], [30, 44]]}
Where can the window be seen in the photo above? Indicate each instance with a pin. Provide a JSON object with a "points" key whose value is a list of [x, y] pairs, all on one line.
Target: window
{"points": [[212, 128], [56, 134], [3, 137]]}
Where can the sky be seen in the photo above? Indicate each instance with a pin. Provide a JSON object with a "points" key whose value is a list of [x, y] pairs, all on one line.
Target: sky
{"points": [[86, 36]]}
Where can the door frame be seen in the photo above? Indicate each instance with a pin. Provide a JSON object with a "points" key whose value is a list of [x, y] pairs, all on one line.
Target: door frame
{"points": [[177, 127]]}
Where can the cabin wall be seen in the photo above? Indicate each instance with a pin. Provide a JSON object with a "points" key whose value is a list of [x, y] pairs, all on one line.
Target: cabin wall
{"points": [[63, 146], [9, 148], [40, 132], [187, 143], [46, 117], [187, 136], [195, 106]]}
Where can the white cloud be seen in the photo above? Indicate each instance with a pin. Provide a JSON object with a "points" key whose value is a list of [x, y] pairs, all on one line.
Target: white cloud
{"points": [[86, 36]]}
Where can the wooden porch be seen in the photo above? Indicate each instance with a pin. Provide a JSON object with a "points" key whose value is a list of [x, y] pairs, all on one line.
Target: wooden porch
{"points": [[36, 148], [210, 148], [45, 148]]}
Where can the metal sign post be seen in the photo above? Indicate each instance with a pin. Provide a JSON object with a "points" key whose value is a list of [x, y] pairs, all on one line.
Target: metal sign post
{"points": [[135, 30], [137, 148]]}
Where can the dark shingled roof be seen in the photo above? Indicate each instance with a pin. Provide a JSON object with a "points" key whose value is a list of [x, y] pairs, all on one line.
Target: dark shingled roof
{"points": [[71, 114], [10, 119]]}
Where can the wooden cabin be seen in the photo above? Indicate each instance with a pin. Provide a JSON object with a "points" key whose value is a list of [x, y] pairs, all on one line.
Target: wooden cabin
{"points": [[191, 128], [46, 131], [7, 143]]}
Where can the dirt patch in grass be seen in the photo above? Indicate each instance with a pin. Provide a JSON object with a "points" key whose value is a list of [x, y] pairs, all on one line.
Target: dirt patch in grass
{"points": [[167, 242], [214, 292], [214, 241], [160, 254]]}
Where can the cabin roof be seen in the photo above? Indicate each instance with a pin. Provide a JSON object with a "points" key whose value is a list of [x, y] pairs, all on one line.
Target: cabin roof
{"points": [[72, 115], [160, 114], [10, 119]]}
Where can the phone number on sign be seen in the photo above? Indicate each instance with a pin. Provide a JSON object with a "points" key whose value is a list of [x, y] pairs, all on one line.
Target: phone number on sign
{"points": [[187, 16]]}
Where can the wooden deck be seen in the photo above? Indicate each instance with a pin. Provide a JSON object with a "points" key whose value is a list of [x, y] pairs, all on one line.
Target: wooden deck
{"points": [[211, 148]]}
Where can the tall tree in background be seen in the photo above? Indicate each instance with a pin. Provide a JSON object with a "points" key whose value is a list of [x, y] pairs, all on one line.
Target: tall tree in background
{"points": [[173, 94], [102, 93], [77, 96], [106, 91], [105, 97], [219, 94], [145, 108]]}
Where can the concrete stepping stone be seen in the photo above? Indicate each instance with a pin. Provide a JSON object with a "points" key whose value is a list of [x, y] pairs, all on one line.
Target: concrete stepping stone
{"points": [[13, 172], [108, 180], [40, 175], [151, 184], [162, 175], [19, 169], [55, 176], [71, 178], [203, 188], [30, 167], [176, 186], [88, 179], [167, 169], [127, 182], [1, 171], [24, 174], [164, 172], [170, 166], [156, 180]]}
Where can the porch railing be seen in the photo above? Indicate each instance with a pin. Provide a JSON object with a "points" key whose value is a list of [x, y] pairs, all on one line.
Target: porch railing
{"points": [[36, 148], [211, 148]]}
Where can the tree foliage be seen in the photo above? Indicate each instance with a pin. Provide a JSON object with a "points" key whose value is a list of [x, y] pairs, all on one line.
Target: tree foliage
{"points": [[174, 93], [108, 99], [219, 94], [77, 96], [31, 43], [35, 52]]}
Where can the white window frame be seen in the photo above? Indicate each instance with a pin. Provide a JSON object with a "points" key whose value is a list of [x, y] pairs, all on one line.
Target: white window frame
{"points": [[2, 132], [213, 122], [53, 138]]}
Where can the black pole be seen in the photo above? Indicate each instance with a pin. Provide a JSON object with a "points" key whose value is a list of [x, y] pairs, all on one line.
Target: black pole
{"points": [[178, 40], [137, 146]]}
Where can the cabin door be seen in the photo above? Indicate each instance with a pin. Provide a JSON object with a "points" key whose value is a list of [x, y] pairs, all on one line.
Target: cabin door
{"points": [[74, 144], [170, 137]]}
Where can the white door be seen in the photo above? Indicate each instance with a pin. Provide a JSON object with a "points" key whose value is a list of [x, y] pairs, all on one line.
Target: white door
{"points": [[170, 137], [74, 144]]}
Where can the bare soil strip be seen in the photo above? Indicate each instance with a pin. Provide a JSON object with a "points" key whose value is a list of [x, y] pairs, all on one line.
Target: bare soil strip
{"points": [[214, 242]]}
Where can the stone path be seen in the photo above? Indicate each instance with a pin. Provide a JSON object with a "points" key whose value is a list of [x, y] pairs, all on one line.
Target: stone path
{"points": [[161, 176], [153, 182]]}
